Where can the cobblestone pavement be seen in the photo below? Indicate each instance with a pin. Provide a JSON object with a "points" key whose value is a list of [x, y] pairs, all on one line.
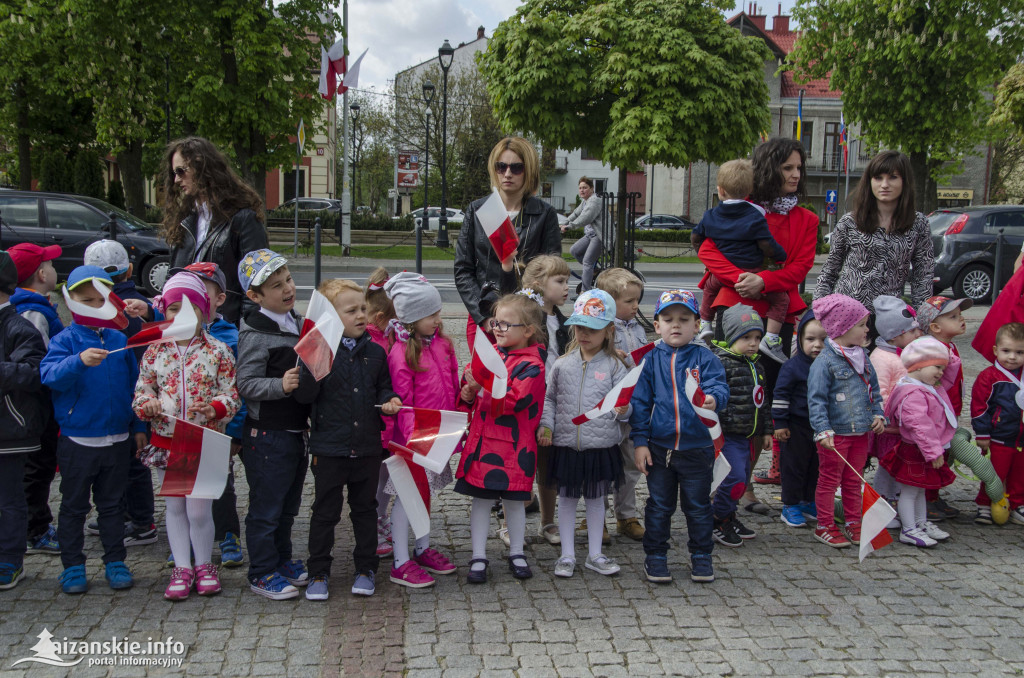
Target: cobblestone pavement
{"points": [[783, 605]]}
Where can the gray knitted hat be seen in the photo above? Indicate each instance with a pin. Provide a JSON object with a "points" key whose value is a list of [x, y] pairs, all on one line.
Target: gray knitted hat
{"points": [[739, 320], [413, 296], [893, 317]]}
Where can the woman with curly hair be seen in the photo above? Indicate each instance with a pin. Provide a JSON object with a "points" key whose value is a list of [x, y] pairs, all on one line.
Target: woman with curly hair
{"points": [[210, 214]]}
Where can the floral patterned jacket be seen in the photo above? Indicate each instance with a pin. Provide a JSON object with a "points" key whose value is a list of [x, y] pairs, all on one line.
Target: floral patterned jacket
{"points": [[203, 372]]}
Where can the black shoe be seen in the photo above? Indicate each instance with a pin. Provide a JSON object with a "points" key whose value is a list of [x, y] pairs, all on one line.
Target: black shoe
{"points": [[137, 536], [519, 571], [742, 531], [534, 505], [725, 534], [477, 576]]}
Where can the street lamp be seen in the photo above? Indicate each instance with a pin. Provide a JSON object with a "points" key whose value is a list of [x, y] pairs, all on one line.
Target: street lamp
{"points": [[445, 55], [428, 98], [355, 118]]}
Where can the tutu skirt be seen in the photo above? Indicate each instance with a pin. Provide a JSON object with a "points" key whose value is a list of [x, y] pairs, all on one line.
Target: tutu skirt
{"points": [[588, 473], [907, 465]]}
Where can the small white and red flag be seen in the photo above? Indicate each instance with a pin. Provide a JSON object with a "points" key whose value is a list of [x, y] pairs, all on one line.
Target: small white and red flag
{"points": [[197, 462], [620, 395], [497, 226], [709, 418], [410, 481], [351, 78], [876, 513], [320, 336], [180, 328], [110, 315], [638, 355], [489, 370], [332, 63]]}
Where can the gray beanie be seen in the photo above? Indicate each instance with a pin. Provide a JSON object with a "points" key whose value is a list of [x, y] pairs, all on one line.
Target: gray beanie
{"points": [[739, 320], [413, 296], [893, 317]]}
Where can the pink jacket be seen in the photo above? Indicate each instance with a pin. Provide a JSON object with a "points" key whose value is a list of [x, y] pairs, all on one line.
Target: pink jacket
{"points": [[890, 369], [921, 418], [435, 385], [385, 343]]}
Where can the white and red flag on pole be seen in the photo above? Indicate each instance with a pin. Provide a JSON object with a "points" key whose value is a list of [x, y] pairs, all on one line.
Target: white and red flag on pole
{"points": [[321, 334], [638, 354], [620, 395], [351, 78], [332, 63], [876, 513], [435, 437], [110, 315], [498, 226], [197, 462], [489, 370], [180, 328], [709, 418]]}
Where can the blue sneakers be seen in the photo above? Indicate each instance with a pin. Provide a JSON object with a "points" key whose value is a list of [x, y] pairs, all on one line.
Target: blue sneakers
{"points": [[44, 543], [273, 586], [72, 580], [10, 575], [363, 585], [809, 509], [294, 571], [701, 569], [793, 516], [231, 550], [317, 589], [119, 576], [656, 569]]}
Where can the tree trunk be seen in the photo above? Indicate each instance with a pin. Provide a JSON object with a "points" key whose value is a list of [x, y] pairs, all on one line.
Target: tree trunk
{"points": [[924, 184], [24, 140], [255, 143], [620, 220], [129, 161]]}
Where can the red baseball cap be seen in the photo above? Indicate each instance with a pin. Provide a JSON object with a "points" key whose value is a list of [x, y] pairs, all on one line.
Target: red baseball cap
{"points": [[29, 257]]}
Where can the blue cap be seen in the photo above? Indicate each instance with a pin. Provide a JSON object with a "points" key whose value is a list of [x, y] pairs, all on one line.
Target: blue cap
{"points": [[258, 265], [594, 309], [84, 274], [673, 297]]}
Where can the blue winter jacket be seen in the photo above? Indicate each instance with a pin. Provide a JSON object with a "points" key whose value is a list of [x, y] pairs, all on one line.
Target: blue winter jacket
{"points": [[790, 396], [29, 300], [661, 412], [838, 399], [224, 331], [90, 402]]}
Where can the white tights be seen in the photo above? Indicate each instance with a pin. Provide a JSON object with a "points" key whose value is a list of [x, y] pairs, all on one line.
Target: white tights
{"points": [[400, 535], [190, 520], [912, 507], [567, 524], [480, 527]]}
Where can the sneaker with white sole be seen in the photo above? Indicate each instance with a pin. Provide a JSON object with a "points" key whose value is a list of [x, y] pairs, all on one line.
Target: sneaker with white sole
{"points": [[915, 536], [602, 564], [933, 531], [140, 535], [317, 589], [983, 516], [706, 331], [1016, 515], [44, 543], [565, 566], [725, 533], [793, 516], [273, 586], [772, 347], [364, 584]]}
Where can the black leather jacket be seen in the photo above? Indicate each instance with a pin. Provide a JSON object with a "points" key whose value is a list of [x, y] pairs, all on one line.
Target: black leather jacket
{"points": [[476, 263], [21, 392], [225, 245]]}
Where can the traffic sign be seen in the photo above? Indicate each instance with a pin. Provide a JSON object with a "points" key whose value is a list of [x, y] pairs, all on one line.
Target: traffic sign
{"points": [[831, 196], [830, 207], [302, 135]]}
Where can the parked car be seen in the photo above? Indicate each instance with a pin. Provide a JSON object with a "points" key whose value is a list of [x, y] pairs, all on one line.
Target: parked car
{"points": [[650, 222], [74, 222], [328, 204], [964, 239], [454, 216]]}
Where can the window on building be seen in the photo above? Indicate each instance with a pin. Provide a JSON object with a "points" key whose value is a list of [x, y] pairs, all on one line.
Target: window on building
{"points": [[600, 185], [806, 134], [585, 154], [833, 160], [289, 184]]}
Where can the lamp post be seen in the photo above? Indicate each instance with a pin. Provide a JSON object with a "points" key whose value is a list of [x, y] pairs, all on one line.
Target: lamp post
{"points": [[355, 118], [428, 98], [445, 55]]}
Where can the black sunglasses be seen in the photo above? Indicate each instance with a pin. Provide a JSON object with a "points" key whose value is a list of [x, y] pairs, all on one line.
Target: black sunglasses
{"points": [[180, 172], [517, 168]]}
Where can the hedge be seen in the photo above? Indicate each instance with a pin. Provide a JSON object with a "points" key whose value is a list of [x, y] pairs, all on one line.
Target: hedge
{"points": [[360, 222], [655, 235]]}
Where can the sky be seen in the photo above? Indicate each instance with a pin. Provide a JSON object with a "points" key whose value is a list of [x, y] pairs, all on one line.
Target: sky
{"points": [[403, 33]]}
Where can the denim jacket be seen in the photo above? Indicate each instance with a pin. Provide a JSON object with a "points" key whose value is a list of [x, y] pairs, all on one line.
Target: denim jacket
{"points": [[838, 399]]}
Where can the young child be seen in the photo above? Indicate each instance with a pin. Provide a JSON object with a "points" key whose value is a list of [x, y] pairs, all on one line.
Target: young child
{"points": [[673, 446], [92, 396], [924, 416], [36, 280], [746, 422], [499, 457], [274, 440], [941, 318], [585, 460], [21, 422], [844, 405], [424, 373], [797, 454], [380, 312], [626, 289], [548, 276], [997, 416], [193, 379], [344, 441], [740, 232]]}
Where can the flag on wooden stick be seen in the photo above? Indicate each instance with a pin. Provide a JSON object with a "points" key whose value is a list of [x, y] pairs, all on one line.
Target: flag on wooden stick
{"points": [[197, 462]]}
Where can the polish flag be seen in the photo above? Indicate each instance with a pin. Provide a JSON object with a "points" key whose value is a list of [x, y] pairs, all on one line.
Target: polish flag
{"points": [[332, 62], [489, 370], [710, 419], [617, 397], [497, 226], [435, 436], [410, 481], [320, 337], [197, 462], [110, 315], [875, 515], [181, 328], [351, 78], [639, 353]]}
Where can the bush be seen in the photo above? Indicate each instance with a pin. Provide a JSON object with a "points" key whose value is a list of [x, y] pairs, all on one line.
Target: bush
{"points": [[154, 215], [89, 175], [655, 235], [331, 221], [54, 173], [115, 194]]}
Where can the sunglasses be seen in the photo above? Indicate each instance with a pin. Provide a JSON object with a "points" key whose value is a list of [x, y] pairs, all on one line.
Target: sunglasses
{"points": [[180, 172], [516, 168]]}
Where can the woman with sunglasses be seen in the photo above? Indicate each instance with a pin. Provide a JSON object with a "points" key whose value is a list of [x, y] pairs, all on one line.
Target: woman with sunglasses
{"points": [[210, 214], [587, 249], [480, 276]]}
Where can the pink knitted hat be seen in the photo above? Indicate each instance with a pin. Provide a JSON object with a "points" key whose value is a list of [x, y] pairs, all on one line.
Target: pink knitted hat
{"points": [[837, 313], [180, 285], [924, 352]]}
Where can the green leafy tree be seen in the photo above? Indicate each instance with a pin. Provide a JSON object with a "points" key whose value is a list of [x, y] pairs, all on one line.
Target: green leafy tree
{"points": [[916, 74], [1009, 105], [115, 194], [88, 174], [55, 173], [372, 156], [633, 81]]}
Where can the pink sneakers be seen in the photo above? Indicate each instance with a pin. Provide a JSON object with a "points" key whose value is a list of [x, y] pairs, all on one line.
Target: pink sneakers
{"points": [[412, 575], [180, 584], [207, 582], [434, 562]]}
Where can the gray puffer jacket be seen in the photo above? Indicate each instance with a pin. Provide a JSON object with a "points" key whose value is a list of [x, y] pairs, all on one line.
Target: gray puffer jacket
{"points": [[574, 387]]}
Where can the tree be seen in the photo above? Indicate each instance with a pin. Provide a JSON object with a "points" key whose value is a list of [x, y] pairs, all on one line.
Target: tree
{"points": [[115, 194], [88, 174], [54, 173], [1009, 104], [633, 81], [915, 74], [372, 155]]}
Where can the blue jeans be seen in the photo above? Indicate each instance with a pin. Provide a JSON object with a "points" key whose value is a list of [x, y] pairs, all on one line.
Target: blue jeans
{"points": [[103, 472], [13, 509], [685, 474], [737, 452], [275, 466]]}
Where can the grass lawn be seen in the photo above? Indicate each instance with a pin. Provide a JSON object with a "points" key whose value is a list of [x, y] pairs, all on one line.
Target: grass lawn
{"points": [[432, 253]]}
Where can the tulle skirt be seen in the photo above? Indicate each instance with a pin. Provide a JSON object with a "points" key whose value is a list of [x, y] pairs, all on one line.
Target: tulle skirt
{"points": [[588, 473]]}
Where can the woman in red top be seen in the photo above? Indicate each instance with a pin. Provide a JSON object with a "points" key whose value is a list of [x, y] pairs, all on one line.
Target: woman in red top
{"points": [[778, 185]]}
